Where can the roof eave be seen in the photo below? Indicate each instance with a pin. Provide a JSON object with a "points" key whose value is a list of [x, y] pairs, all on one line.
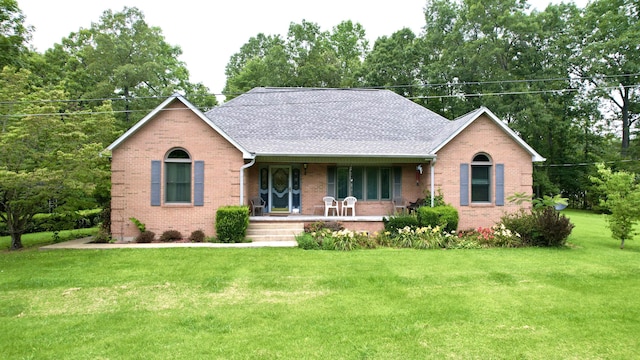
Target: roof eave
{"points": [[135, 128], [535, 157]]}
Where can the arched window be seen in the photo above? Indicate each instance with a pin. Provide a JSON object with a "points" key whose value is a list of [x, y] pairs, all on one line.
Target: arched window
{"points": [[177, 176], [481, 179]]}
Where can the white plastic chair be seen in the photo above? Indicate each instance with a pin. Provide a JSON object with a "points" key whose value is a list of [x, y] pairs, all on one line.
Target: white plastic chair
{"points": [[349, 203], [329, 204], [399, 205], [257, 205]]}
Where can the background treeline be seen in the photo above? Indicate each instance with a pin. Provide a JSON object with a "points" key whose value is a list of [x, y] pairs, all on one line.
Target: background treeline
{"points": [[565, 78]]}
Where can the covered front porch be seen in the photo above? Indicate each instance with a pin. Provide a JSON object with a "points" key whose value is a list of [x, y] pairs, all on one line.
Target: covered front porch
{"points": [[292, 189]]}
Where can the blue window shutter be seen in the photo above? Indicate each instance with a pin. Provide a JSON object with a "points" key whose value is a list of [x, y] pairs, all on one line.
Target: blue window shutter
{"points": [[464, 184], [500, 184], [198, 183], [331, 181], [156, 170]]}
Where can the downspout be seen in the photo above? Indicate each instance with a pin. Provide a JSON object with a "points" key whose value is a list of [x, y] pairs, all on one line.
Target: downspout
{"points": [[242, 169], [433, 176]]}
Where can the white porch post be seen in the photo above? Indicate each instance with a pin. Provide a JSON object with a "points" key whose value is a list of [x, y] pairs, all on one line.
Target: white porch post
{"points": [[433, 175]]}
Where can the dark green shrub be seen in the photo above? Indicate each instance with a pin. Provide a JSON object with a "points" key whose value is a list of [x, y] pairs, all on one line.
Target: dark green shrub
{"points": [[522, 222], [400, 221], [552, 228], [328, 243], [307, 242], [145, 237], [102, 236], [197, 236], [232, 223], [171, 235], [445, 217]]}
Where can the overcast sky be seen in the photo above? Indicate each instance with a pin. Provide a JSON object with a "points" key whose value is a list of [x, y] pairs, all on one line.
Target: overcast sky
{"points": [[209, 32]]}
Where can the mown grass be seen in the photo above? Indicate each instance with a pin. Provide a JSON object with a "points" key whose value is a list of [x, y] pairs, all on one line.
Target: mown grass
{"points": [[578, 302]]}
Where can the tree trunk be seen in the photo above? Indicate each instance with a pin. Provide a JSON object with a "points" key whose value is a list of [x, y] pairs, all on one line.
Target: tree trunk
{"points": [[622, 244], [16, 241], [626, 122]]}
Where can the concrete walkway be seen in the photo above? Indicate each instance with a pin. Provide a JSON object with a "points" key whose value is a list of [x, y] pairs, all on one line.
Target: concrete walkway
{"points": [[85, 243]]}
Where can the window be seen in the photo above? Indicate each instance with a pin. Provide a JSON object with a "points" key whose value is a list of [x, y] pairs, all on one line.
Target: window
{"points": [[178, 177], [365, 183], [481, 179]]}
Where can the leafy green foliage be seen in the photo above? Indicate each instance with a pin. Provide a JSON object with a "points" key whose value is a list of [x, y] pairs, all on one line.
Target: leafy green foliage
{"points": [[445, 216], [232, 223], [622, 200], [307, 57], [121, 54], [542, 227], [400, 221], [14, 34], [139, 224], [50, 154]]}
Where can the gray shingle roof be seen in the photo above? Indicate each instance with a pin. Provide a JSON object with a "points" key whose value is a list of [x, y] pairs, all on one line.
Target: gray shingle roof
{"points": [[330, 122]]}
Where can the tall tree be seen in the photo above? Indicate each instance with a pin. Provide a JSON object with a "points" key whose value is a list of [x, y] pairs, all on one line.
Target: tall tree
{"points": [[608, 58], [46, 152], [14, 34], [122, 56], [394, 63], [351, 45], [307, 57]]}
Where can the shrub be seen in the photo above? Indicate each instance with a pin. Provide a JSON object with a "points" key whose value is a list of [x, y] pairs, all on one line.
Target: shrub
{"points": [[102, 236], [320, 225], [444, 216], [543, 227], [522, 222], [232, 223], [346, 240], [307, 242], [197, 236], [552, 228], [171, 235], [145, 237], [438, 199], [400, 221]]}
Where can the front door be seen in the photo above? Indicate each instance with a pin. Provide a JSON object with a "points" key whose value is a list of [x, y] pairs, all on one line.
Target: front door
{"points": [[280, 189]]}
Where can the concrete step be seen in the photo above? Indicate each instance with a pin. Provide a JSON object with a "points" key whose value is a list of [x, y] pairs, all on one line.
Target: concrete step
{"points": [[274, 231]]}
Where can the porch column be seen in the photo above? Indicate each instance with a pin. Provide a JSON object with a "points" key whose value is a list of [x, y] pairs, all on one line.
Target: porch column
{"points": [[433, 191]]}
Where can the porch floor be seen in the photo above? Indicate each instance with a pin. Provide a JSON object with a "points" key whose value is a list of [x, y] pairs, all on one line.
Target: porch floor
{"points": [[313, 218]]}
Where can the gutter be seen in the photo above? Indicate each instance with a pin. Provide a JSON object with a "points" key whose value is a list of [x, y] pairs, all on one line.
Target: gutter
{"points": [[242, 169]]}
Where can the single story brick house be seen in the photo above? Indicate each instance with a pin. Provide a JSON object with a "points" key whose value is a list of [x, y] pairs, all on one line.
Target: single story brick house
{"points": [[293, 146]]}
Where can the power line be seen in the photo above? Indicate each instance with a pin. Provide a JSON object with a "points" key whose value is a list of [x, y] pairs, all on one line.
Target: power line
{"points": [[423, 85]]}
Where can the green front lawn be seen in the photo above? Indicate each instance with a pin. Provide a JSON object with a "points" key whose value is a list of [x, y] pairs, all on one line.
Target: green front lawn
{"points": [[579, 302]]}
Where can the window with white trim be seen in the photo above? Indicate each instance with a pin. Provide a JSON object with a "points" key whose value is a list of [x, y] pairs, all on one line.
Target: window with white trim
{"points": [[177, 176], [481, 179]]}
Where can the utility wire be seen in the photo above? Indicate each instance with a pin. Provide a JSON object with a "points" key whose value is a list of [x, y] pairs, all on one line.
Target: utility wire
{"points": [[423, 85]]}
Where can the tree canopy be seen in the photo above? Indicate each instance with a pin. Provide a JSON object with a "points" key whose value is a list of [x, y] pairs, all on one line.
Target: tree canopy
{"points": [[122, 57]]}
